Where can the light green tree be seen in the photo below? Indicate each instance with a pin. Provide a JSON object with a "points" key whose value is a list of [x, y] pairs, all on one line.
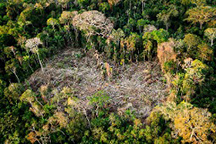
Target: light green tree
{"points": [[116, 36], [30, 97], [211, 34], [201, 15], [141, 23], [11, 67], [191, 40], [13, 91], [67, 17], [53, 22]]}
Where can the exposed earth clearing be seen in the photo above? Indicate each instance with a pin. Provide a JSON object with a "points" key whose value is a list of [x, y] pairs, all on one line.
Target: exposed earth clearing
{"points": [[136, 86]]}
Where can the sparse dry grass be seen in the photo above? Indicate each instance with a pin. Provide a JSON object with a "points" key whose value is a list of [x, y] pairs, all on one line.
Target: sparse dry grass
{"points": [[137, 86]]}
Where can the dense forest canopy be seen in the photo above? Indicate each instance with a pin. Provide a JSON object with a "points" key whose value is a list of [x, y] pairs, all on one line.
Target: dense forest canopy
{"points": [[115, 39]]}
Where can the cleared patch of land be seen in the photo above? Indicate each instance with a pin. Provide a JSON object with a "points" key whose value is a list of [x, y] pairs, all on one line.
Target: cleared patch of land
{"points": [[136, 86]]}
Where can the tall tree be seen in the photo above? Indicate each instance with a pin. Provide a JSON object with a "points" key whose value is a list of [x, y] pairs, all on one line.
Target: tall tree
{"points": [[11, 67], [52, 22], [115, 36], [201, 15], [143, 4], [67, 17], [141, 23], [211, 34], [93, 23], [32, 45], [165, 15], [191, 41], [191, 123]]}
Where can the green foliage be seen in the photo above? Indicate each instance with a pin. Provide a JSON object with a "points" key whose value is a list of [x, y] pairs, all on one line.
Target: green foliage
{"points": [[170, 66], [210, 33], [32, 31], [2, 87], [151, 40], [191, 40], [76, 128], [52, 22], [159, 36], [104, 7], [204, 52], [195, 74], [191, 123], [13, 91], [14, 123], [99, 99], [198, 2], [201, 15], [123, 129], [164, 16], [141, 23]]}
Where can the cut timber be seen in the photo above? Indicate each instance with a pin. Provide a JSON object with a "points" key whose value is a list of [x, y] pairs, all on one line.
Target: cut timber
{"points": [[138, 84]]}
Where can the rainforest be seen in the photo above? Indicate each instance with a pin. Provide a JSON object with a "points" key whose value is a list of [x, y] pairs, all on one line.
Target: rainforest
{"points": [[107, 71]]}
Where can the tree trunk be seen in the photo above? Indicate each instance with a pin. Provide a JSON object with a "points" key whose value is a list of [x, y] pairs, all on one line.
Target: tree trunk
{"points": [[53, 26], [201, 25], [118, 43], [40, 62], [167, 26], [16, 76], [212, 42], [30, 67], [140, 29]]}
